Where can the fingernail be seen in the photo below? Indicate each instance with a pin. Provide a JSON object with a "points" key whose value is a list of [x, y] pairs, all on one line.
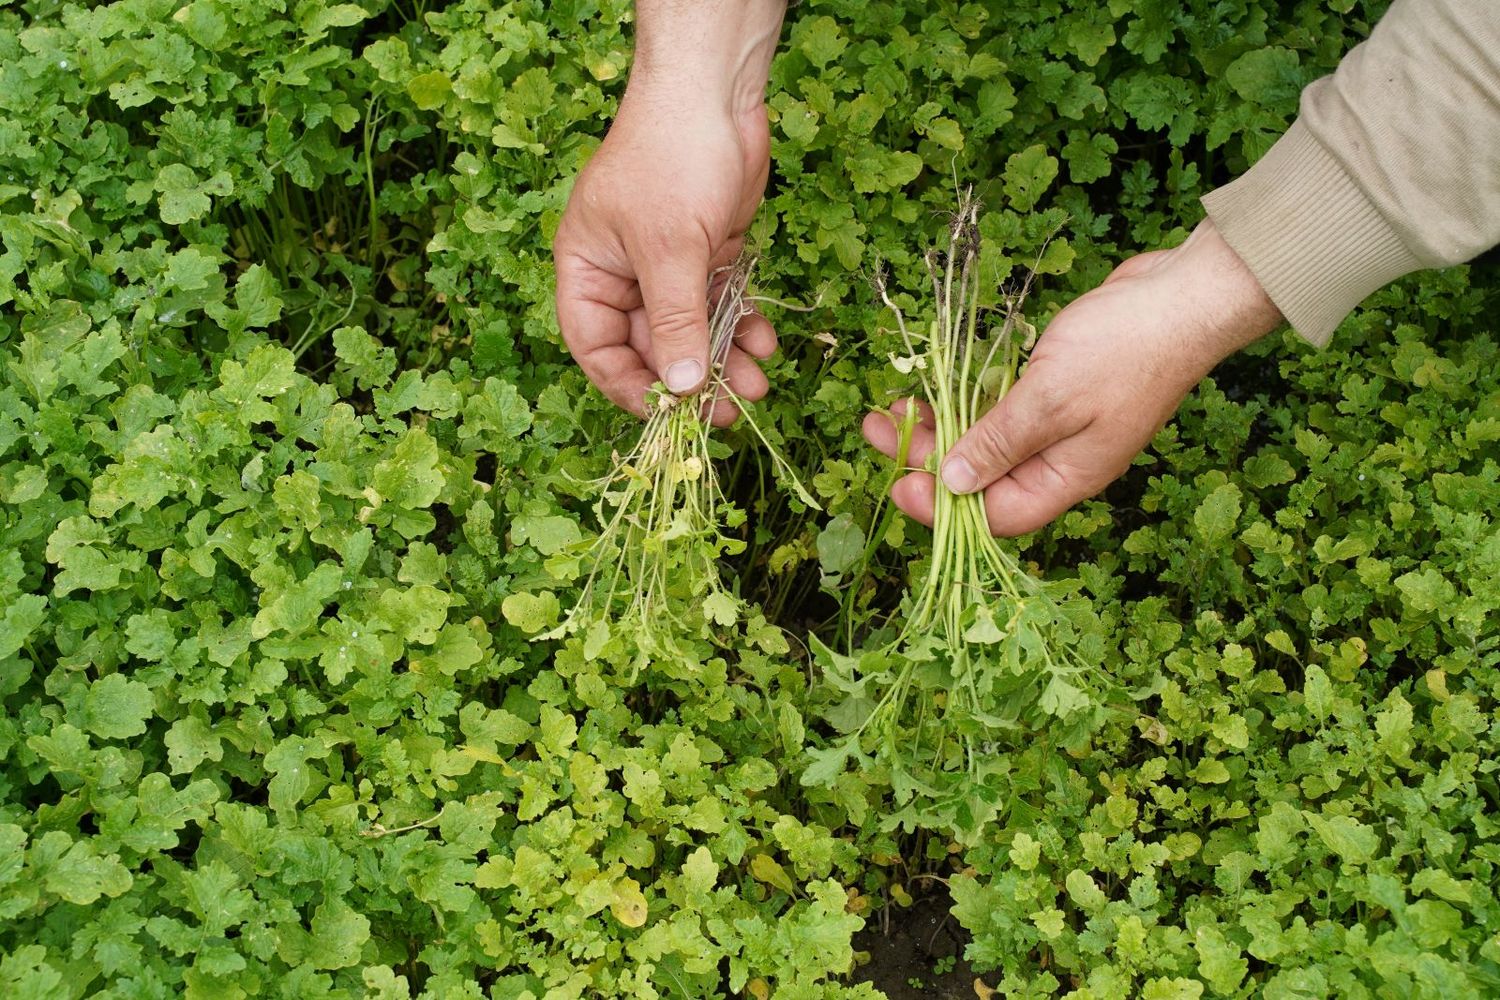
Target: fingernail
{"points": [[684, 375], [959, 476]]}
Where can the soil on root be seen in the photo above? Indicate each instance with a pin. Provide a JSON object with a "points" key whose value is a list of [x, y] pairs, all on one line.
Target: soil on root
{"points": [[904, 950]]}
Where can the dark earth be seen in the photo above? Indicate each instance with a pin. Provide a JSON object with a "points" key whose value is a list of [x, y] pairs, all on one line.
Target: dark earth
{"points": [[905, 943]]}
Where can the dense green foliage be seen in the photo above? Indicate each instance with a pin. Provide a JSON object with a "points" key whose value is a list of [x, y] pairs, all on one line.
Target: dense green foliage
{"points": [[293, 476]]}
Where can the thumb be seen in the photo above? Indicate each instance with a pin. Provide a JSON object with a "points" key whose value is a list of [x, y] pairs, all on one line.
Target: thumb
{"points": [[674, 289], [1030, 417]]}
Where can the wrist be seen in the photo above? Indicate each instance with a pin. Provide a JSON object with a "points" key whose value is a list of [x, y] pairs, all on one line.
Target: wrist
{"points": [[1233, 309], [704, 54]]}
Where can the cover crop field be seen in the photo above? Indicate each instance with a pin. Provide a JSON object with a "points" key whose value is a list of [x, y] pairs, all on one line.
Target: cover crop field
{"points": [[307, 690]]}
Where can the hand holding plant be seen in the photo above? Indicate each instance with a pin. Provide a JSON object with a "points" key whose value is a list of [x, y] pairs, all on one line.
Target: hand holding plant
{"points": [[666, 199], [1109, 371]]}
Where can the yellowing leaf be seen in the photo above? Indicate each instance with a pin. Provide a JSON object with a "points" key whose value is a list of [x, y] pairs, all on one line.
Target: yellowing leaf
{"points": [[1210, 772], [768, 870], [530, 612], [721, 608], [429, 90], [604, 68], [629, 904]]}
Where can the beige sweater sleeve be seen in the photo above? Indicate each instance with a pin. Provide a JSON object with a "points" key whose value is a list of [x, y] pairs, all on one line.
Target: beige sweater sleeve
{"points": [[1392, 166]]}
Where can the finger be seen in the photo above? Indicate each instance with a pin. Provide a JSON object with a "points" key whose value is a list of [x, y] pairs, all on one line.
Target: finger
{"points": [[744, 376], [640, 338], [1043, 487], [722, 412], [885, 435], [914, 494], [755, 336], [598, 335], [925, 415], [619, 374], [1028, 499], [674, 283], [1031, 416]]}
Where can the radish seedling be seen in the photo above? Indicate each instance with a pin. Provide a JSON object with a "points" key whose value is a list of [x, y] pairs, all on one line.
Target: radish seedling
{"points": [[981, 647], [665, 522]]}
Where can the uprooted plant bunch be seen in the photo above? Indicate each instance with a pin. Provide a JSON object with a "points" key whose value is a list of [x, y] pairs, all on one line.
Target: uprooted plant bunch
{"points": [[980, 647], [665, 523]]}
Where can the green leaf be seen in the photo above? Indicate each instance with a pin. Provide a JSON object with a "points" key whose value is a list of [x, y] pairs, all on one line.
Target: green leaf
{"points": [[1268, 469], [267, 372], [80, 875], [1049, 921], [183, 196], [1267, 76], [190, 269], [820, 39], [1210, 772], [1090, 156], [1089, 39], [296, 607], [363, 355], [1084, 891], [872, 170], [117, 707], [414, 614], [1027, 176], [841, 545], [189, 743], [410, 476], [318, 20], [1433, 924], [827, 763], [1351, 840], [530, 612], [1218, 513], [339, 934], [1024, 851], [1317, 692], [78, 546], [1427, 590], [950, 135], [548, 534], [217, 897], [22, 617], [153, 821], [257, 297], [288, 763], [1061, 699], [456, 649], [984, 630]]}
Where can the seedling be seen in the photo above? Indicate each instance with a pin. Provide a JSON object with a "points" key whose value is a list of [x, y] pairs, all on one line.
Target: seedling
{"points": [[980, 646], [665, 522]]}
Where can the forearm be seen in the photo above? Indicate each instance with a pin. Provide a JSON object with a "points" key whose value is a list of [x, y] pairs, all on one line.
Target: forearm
{"points": [[688, 52], [1392, 166]]}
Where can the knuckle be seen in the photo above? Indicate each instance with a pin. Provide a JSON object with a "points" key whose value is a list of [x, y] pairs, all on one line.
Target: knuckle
{"points": [[993, 444], [670, 235], [1053, 397], [672, 321]]}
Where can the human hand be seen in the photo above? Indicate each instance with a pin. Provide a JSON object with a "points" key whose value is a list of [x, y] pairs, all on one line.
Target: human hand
{"points": [[665, 200], [1109, 371]]}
